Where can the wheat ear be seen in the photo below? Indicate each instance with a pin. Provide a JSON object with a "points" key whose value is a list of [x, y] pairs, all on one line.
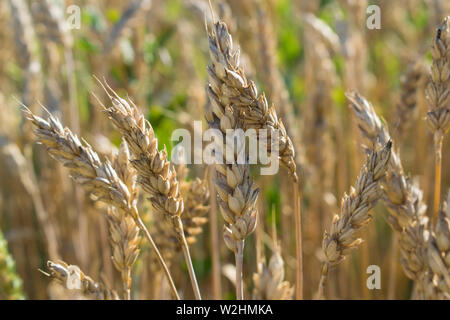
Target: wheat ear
{"points": [[155, 175], [438, 117], [123, 231], [85, 167], [72, 278], [355, 215], [402, 197], [237, 194]]}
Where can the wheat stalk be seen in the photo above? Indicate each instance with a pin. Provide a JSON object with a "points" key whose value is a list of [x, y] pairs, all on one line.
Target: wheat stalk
{"points": [[155, 175], [354, 215], [85, 167], [438, 117], [402, 197], [72, 278]]}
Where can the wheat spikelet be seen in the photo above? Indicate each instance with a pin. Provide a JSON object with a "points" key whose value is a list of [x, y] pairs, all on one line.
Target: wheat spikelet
{"points": [[71, 277], [355, 209], [402, 197], [155, 174], [10, 282]]}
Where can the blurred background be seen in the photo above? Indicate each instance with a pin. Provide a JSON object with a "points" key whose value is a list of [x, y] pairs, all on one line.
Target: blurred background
{"points": [[304, 54]]}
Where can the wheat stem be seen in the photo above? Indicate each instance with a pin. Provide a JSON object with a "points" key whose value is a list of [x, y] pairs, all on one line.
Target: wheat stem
{"points": [[239, 255], [298, 243], [323, 281], [147, 235], [189, 264], [438, 138], [214, 237]]}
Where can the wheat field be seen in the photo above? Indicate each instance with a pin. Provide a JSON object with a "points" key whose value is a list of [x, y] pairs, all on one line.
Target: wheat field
{"points": [[349, 99]]}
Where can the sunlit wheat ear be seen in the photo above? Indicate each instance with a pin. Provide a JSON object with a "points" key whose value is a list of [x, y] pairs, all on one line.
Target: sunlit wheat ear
{"points": [[227, 79], [72, 278], [355, 208], [97, 177], [155, 174], [236, 191], [402, 197], [438, 116]]}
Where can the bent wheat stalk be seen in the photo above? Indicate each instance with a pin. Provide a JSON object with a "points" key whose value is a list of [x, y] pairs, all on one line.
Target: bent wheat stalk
{"points": [[355, 215], [96, 177], [155, 175]]}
